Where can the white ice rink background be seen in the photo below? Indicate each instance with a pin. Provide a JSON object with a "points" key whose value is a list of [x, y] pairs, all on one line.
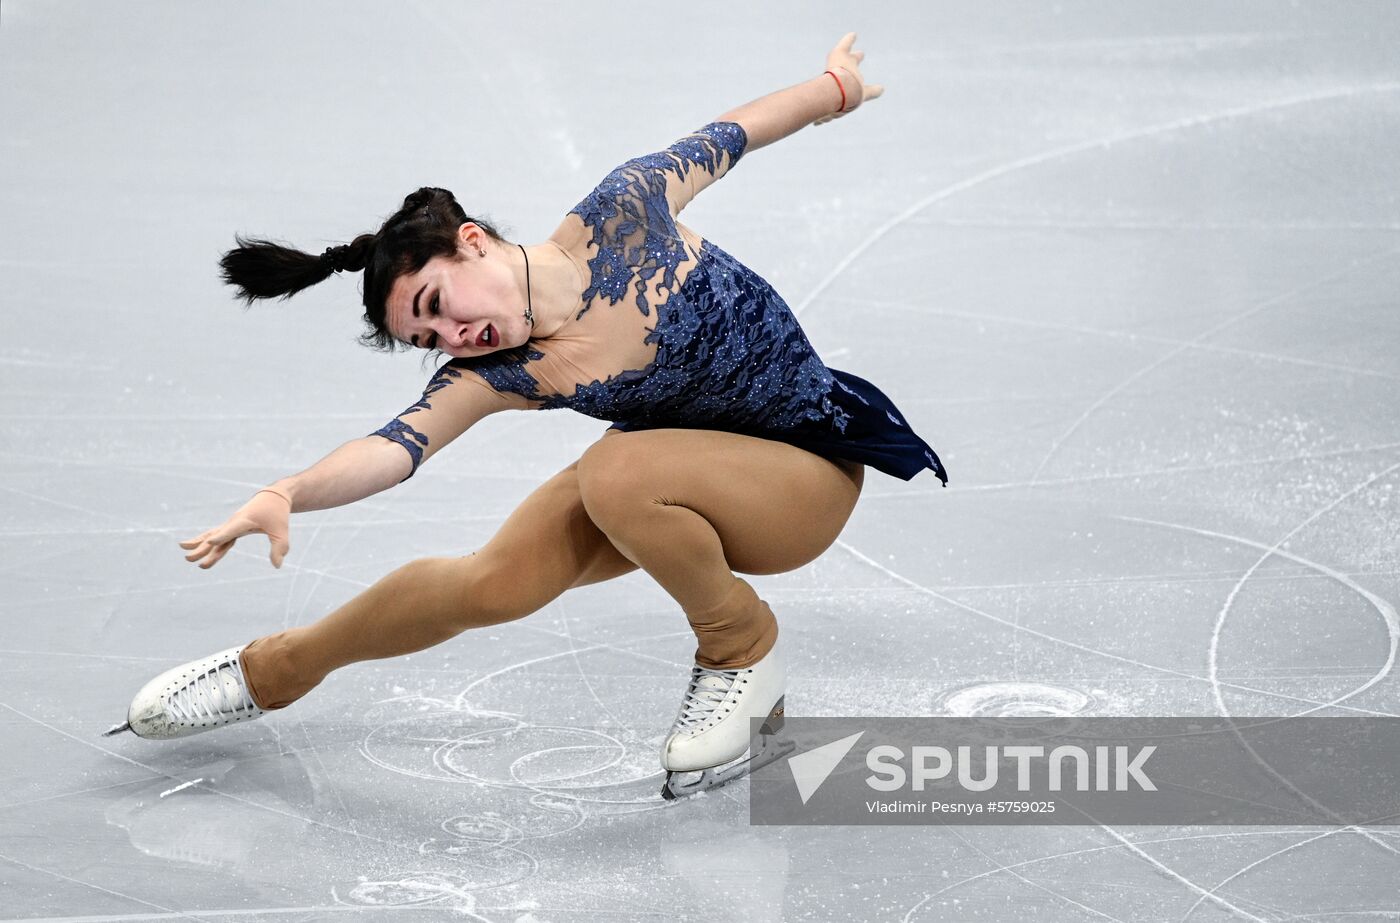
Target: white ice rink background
{"points": [[1130, 268]]}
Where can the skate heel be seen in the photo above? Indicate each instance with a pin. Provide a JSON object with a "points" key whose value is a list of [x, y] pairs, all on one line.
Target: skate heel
{"points": [[774, 722]]}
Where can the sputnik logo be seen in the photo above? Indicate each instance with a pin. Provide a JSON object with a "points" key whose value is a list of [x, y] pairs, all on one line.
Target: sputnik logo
{"points": [[811, 769]]}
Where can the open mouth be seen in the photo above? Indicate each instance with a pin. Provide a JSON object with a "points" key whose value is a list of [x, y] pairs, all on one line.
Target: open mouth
{"points": [[487, 336]]}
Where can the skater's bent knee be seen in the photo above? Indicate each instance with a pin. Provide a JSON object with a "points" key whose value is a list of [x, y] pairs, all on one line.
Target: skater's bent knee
{"points": [[613, 488], [602, 471]]}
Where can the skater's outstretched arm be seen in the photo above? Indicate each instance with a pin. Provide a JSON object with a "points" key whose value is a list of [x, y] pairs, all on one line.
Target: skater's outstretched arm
{"points": [[693, 163], [360, 468], [352, 472], [815, 101], [454, 400]]}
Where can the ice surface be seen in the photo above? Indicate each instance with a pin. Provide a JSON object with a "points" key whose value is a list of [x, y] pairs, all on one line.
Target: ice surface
{"points": [[1131, 268]]}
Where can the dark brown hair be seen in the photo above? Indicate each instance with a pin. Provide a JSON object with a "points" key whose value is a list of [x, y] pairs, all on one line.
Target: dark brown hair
{"points": [[424, 227]]}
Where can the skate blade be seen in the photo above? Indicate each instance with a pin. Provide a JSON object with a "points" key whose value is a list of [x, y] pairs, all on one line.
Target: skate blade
{"points": [[117, 729], [680, 784]]}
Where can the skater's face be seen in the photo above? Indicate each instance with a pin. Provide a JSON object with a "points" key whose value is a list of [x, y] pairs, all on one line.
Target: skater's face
{"points": [[465, 305]]}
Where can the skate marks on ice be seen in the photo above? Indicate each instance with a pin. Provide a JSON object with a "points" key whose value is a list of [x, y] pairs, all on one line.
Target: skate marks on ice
{"points": [[174, 825], [451, 893], [1074, 480], [1130, 337], [453, 740], [1039, 701], [524, 781], [1001, 698], [1099, 652], [520, 781], [1006, 698], [1069, 150], [998, 699], [241, 800], [1013, 700], [1383, 607], [1095, 856], [1272, 301], [177, 829], [161, 825]]}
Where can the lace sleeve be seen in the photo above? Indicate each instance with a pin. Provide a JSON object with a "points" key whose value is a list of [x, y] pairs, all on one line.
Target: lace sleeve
{"points": [[631, 213], [698, 159], [454, 400]]}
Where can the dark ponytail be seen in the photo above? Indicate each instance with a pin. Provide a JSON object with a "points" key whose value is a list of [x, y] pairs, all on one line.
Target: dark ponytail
{"points": [[263, 269], [425, 226]]}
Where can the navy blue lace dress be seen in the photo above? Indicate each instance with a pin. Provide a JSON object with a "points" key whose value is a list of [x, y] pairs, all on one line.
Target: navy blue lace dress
{"points": [[672, 331]]}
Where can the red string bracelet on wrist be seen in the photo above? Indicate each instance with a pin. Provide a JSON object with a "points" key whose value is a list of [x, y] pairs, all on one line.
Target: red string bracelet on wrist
{"points": [[842, 89]]}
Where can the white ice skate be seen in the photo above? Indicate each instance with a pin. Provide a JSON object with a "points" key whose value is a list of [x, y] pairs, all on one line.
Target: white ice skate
{"points": [[711, 732], [192, 699]]}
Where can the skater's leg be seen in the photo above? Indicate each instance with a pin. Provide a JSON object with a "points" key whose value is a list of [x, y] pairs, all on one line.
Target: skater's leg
{"points": [[692, 506], [547, 545]]}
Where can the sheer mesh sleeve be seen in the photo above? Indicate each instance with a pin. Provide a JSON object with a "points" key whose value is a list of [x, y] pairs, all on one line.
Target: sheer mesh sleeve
{"points": [[454, 400]]}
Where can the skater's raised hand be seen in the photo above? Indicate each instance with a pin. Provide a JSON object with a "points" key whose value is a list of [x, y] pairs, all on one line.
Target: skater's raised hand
{"points": [[844, 62], [269, 512]]}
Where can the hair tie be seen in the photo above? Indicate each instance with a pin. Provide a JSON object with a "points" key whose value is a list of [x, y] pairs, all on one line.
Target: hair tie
{"points": [[334, 258]]}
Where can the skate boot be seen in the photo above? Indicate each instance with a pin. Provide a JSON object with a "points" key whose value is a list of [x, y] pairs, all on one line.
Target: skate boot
{"points": [[711, 732], [192, 699]]}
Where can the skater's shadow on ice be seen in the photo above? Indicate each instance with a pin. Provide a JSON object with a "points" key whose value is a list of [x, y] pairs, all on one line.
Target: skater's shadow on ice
{"points": [[222, 813]]}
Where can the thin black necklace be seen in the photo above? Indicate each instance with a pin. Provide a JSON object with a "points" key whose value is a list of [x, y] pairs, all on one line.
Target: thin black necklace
{"points": [[529, 302]]}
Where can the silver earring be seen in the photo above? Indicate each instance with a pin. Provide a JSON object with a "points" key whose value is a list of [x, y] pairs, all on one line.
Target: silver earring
{"points": [[481, 253]]}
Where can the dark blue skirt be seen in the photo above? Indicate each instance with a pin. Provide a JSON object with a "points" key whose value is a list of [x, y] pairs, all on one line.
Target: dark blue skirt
{"points": [[875, 434]]}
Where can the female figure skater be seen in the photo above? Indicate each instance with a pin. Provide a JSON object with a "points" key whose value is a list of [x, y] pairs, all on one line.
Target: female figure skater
{"points": [[734, 448]]}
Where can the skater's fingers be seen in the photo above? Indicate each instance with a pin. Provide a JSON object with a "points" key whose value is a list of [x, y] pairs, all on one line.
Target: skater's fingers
{"points": [[219, 552], [191, 542], [842, 49], [212, 546], [203, 549], [280, 547], [874, 91]]}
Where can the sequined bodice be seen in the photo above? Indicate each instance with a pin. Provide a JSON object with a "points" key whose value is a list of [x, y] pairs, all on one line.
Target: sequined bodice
{"points": [[673, 330]]}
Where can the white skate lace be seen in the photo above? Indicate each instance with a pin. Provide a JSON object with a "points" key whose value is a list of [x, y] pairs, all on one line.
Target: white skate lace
{"points": [[213, 694], [707, 692]]}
